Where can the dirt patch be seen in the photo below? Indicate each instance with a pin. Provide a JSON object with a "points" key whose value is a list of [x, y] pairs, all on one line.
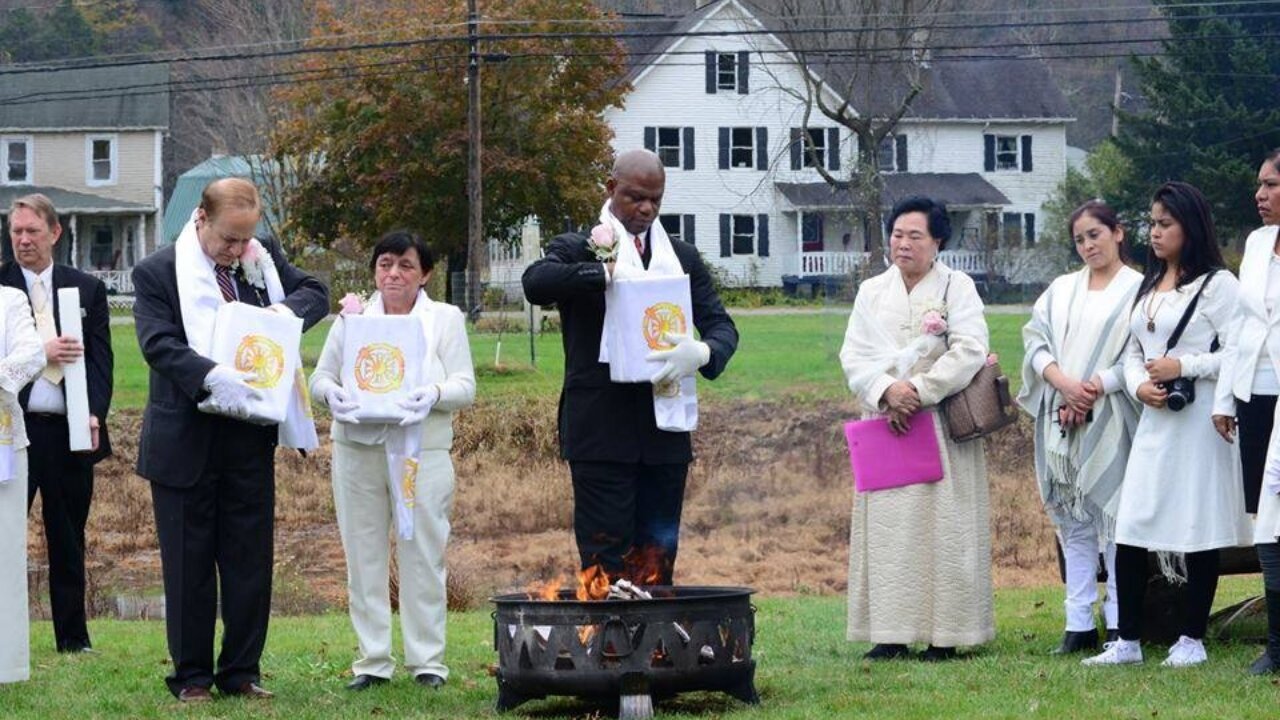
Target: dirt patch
{"points": [[768, 505]]}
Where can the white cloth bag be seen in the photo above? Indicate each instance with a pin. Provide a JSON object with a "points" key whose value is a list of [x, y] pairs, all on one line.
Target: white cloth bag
{"points": [[260, 341], [382, 361], [642, 310]]}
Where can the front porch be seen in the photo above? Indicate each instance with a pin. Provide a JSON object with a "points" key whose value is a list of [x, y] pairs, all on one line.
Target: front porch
{"points": [[101, 236]]}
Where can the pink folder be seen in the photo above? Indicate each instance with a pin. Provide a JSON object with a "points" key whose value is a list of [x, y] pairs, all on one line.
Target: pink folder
{"points": [[883, 460]]}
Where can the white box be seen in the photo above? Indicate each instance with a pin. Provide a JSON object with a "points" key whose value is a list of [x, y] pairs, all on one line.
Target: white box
{"points": [[261, 341], [641, 311], [382, 358]]}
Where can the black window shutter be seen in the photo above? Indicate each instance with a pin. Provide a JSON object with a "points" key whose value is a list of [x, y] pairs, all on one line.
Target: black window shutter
{"points": [[762, 148], [900, 150], [744, 65], [711, 72], [724, 148], [762, 235], [833, 148], [651, 139], [989, 158], [687, 229], [687, 142], [797, 147], [726, 241], [1029, 223], [1026, 153]]}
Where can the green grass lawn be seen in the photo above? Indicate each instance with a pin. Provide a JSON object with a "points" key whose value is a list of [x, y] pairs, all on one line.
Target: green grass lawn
{"points": [[805, 670], [779, 356]]}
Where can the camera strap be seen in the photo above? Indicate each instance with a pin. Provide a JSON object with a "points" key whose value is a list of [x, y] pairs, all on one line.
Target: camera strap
{"points": [[1186, 316]]}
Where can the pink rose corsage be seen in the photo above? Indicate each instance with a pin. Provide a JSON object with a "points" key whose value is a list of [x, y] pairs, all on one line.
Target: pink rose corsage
{"points": [[933, 323], [351, 304], [602, 243]]}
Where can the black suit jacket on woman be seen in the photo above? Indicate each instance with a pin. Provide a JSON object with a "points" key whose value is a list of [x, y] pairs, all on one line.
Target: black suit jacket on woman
{"points": [[96, 325], [175, 436], [600, 420]]}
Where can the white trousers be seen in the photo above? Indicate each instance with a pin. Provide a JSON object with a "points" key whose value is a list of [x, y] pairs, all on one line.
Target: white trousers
{"points": [[1080, 550], [365, 511], [15, 619]]}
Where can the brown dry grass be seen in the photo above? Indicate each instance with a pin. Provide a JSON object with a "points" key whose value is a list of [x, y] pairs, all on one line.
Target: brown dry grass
{"points": [[767, 506]]}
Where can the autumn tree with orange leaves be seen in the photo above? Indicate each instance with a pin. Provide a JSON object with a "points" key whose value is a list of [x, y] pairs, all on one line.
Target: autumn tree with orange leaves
{"points": [[375, 131]]}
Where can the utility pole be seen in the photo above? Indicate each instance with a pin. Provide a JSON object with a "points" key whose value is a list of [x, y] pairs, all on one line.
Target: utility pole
{"points": [[477, 254]]}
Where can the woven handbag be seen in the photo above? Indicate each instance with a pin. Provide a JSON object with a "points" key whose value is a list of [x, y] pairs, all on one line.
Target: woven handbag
{"points": [[984, 406]]}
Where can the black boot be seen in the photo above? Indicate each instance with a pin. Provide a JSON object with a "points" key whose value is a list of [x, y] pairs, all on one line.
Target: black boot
{"points": [[886, 651], [1269, 661], [1077, 641]]}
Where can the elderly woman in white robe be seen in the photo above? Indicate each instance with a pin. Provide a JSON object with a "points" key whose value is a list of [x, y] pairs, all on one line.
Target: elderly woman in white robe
{"points": [[919, 555], [22, 360], [1073, 385], [370, 501]]}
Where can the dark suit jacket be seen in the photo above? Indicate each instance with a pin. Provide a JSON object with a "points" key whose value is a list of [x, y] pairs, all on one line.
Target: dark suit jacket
{"points": [[96, 324], [603, 421], [176, 437]]}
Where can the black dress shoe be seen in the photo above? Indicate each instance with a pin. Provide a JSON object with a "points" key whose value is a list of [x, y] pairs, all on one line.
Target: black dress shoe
{"points": [[1263, 665], [251, 690], [364, 682], [886, 651], [435, 682], [938, 654], [1074, 641], [194, 694]]}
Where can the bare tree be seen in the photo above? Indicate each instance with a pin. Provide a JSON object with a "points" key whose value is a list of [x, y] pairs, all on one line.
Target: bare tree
{"points": [[863, 64]]}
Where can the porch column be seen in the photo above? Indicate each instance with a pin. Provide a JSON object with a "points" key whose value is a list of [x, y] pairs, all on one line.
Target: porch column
{"points": [[139, 242], [800, 240], [75, 254]]}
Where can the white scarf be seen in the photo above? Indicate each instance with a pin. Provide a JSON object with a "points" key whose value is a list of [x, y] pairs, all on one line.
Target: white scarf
{"points": [[677, 413], [401, 444], [199, 299], [8, 468]]}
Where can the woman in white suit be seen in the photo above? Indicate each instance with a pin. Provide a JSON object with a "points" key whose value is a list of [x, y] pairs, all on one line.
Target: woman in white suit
{"points": [[368, 505], [1249, 383], [23, 359]]}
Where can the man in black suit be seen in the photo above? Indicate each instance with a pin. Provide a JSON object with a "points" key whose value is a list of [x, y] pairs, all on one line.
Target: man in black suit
{"points": [[628, 476], [212, 476], [63, 478]]}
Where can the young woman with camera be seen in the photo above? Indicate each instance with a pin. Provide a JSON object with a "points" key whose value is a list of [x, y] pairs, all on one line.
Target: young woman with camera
{"points": [[1073, 385], [1182, 495]]}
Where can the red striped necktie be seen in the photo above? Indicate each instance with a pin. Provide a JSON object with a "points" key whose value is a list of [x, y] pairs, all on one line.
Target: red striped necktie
{"points": [[225, 284], [639, 245]]}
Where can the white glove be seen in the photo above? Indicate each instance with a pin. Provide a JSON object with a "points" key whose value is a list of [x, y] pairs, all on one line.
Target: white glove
{"points": [[682, 360], [342, 405], [230, 391], [419, 404]]}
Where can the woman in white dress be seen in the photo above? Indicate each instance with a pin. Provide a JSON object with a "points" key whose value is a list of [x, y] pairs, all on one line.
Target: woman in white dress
{"points": [[367, 505], [919, 555], [1182, 494], [22, 360], [1073, 385], [1249, 385]]}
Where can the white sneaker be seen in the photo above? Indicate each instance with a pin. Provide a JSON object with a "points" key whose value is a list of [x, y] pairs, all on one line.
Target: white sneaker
{"points": [[1120, 652], [1185, 653]]}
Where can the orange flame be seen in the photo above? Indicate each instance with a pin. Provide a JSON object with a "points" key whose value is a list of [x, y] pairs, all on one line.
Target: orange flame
{"points": [[593, 583], [646, 565]]}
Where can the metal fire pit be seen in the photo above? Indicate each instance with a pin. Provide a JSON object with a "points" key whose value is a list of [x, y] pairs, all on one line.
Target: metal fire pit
{"points": [[685, 638]]}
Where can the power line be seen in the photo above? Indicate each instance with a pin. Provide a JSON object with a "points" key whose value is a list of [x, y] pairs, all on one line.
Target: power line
{"points": [[203, 54]]}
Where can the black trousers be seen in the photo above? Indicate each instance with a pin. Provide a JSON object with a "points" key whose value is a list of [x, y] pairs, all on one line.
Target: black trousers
{"points": [[619, 508], [64, 481], [1254, 420], [216, 541], [1131, 590]]}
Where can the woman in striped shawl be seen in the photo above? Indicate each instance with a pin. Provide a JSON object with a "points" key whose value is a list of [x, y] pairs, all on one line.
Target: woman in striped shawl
{"points": [[1073, 385]]}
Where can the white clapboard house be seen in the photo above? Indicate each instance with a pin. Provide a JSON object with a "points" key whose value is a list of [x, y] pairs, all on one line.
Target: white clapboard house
{"points": [[986, 136]]}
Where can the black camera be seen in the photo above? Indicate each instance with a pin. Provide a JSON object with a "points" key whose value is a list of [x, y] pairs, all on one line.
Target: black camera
{"points": [[1181, 392]]}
